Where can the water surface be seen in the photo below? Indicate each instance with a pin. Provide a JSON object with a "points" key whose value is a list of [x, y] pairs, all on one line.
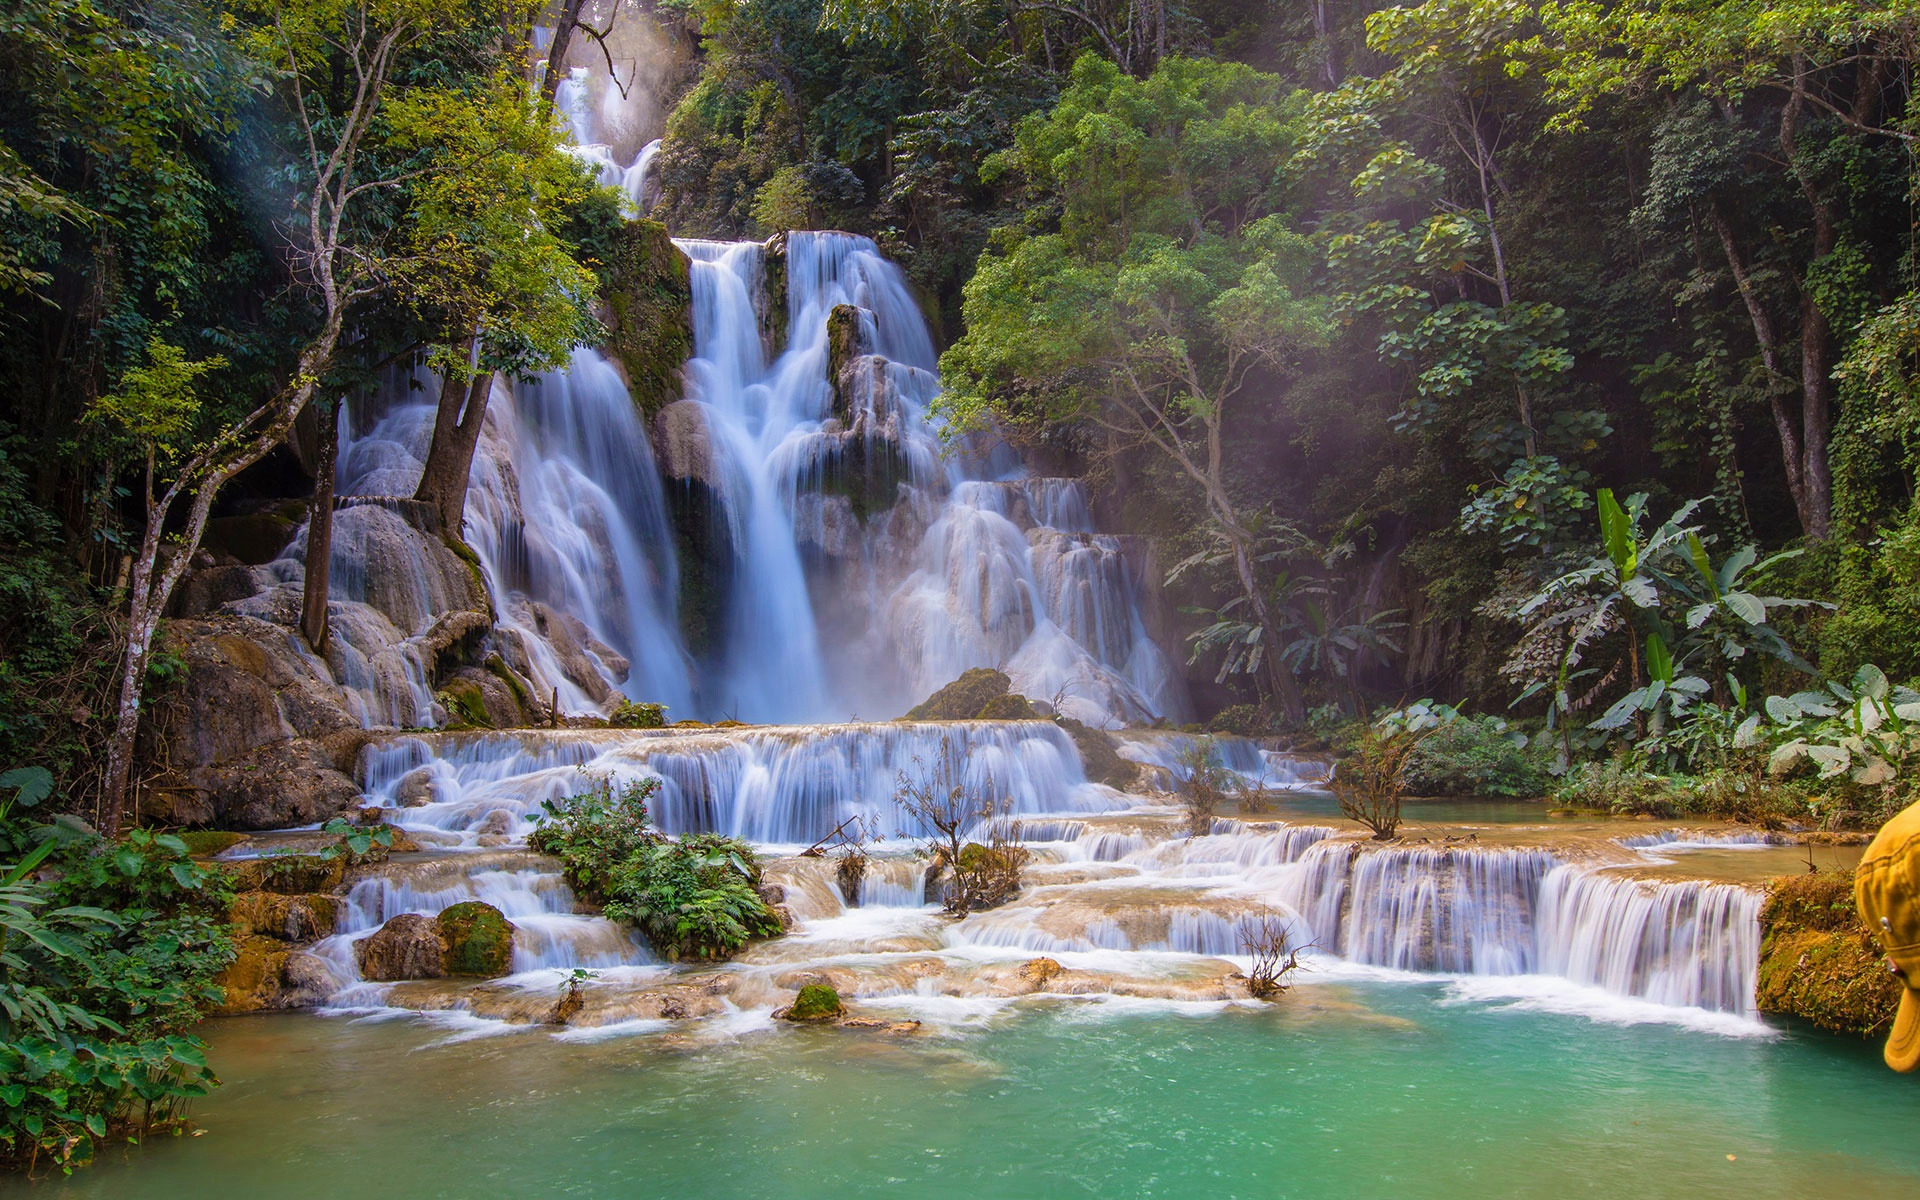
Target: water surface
{"points": [[1341, 1090]]}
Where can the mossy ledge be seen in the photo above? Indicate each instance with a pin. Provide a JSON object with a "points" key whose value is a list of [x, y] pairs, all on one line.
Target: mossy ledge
{"points": [[1818, 962], [649, 297]]}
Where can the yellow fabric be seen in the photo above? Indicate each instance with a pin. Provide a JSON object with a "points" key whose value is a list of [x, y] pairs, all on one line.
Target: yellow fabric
{"points": [[1887, 890]]}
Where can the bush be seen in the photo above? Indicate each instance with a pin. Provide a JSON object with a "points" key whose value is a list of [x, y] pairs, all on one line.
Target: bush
{"points": [[630, 715], [1618, 787], [107, 956], [696, 896], [1246, 720], [1483, 756], [1207, 783]]}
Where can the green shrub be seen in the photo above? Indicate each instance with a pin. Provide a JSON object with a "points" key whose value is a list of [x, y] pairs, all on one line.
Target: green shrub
{"points": [[108, 952], [1246, 720], [695, 896], [1619, 787], [1483, 756], [630, 715]]}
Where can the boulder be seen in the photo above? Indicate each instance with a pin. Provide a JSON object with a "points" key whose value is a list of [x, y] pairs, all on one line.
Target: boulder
{"points": [[406, 947], [478, 939], [963, 699], [300, 919], [816, 1002], [1040, 971]]}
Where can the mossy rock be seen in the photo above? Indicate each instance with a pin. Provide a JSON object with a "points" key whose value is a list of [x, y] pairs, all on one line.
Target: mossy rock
{"points": [[1010, 707], [297, 919], [478, 937], [963, 699], [466, 705], [207, 843], [630, 715], [1099, 756], [1818, 962], [844, 344], [649, 295], [287, 874], [816, 1002]]}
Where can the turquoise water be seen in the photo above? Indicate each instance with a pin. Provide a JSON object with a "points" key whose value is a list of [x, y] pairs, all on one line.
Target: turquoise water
{"points": [[1462, 810], [1340, 1090]]}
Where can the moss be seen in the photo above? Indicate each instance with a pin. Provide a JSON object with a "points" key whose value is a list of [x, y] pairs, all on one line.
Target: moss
{"points": [[206, 843], [649, 292], [478, 938], [466, 704], [497, 667], [287, 874], [1099, 756], [1818, 962], [773, 312], [1010, 707], [816, 1002], [963, 699], [843, 344]]}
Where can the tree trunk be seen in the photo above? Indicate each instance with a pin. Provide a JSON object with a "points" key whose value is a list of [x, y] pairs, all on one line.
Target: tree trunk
{"points": [[456, 432], [557, 52], [1286, 690], [152, 580], [313, 599]]}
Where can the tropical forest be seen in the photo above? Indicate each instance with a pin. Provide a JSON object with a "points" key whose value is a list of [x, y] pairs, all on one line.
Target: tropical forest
{"points": [[956, 598]]}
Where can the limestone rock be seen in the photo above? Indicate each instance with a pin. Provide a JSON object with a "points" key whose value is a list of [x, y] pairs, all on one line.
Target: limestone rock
{"points": [[287, 874], [816, 1002], [1040, 971], [478, 939], [963, 699], [406, 947], [303, 918], [649, 302]]}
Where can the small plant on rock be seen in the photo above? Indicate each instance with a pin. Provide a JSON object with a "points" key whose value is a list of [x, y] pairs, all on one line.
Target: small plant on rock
{"points": [[694, 896], [631, 715], [1208, 782], [1267, 939], [942, 812], [1370, 781]]}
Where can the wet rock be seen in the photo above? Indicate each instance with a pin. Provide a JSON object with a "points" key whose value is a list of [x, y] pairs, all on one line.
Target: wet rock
{"points": [[306, 980], [406, 947], [963, 699], [299, 919], [874, 1023], [478, 939], [1040, 971], [499, 822], [287, 874], [1099, 756], [210, 843], [816, 1002], [683, 444], [415, 788], [254, 979]]}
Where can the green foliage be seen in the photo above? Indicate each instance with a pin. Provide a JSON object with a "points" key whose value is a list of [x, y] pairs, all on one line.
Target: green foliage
{"points": [[695, 896], [1480, 756], [107, 956], [630, 714]]}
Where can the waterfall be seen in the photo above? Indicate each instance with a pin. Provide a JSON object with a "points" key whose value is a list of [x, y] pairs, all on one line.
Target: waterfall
{"points": [[870, 567]]}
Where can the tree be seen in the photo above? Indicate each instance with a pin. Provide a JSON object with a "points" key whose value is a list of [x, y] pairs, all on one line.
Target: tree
{"points": [[335, 164], [1172, 290], [485, 265], [1831, 82]]}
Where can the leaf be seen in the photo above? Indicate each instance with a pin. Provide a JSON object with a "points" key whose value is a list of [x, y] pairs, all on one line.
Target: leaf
{"points": [[1747, 734], [1641, 591], [1870, 681], [1659, 661], [31, 785], [1746, 606]]}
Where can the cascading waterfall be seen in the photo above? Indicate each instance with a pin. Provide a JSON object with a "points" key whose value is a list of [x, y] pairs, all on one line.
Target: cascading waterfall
{"points": [[868, 565]]}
